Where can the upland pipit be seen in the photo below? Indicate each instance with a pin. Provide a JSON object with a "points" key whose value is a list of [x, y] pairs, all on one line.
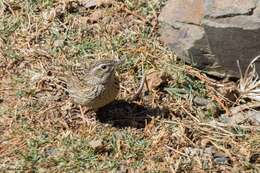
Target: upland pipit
{"points": [[96, 86]]}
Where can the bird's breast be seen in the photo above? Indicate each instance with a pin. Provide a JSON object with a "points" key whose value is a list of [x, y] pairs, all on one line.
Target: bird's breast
{"points": [[109, 93]]}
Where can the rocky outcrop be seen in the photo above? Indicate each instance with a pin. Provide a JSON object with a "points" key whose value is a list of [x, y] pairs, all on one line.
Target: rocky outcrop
{"points": [[213, 34]]}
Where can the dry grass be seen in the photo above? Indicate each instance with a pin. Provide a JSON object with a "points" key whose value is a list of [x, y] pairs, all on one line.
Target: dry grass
{"points": [[249, 84], [166, 130]]}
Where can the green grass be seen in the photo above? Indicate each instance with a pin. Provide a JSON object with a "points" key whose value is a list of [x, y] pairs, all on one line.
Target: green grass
{"points": [[37, 133]]}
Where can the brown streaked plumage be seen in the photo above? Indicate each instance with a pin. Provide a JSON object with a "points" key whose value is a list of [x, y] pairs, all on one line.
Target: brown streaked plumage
{"points": [[96, 86]]}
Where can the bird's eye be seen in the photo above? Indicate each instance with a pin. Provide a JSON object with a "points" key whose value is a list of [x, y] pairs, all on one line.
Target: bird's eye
{"points": [[104, 67]]}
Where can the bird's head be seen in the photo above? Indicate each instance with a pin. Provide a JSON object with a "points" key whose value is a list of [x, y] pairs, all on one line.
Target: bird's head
{"points": [[103, 70]]}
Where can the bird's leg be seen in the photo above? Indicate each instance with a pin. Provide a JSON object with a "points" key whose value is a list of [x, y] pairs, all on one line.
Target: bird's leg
{"points": [[85, 119], [82, 113]]}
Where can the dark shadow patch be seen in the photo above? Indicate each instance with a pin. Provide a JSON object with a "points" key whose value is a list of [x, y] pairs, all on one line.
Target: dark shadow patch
{"points": [[254, 158], [123, 114]]}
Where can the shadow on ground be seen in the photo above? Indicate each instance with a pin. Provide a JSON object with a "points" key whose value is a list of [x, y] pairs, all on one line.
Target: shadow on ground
{"points": [[124, 114]]}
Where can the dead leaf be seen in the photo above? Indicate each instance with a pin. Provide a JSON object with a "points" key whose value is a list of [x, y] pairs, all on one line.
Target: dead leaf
{"points": [[96, 144], [154, 79]]}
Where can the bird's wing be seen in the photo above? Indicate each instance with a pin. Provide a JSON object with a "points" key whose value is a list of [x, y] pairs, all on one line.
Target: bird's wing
{"points": [[83, 93], [79, 89]]}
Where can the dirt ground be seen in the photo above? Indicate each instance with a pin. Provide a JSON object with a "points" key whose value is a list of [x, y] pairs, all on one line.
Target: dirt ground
{"points": [[181, 123]]}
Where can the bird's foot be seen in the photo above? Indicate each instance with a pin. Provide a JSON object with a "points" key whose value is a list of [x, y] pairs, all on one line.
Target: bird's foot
{"points": [[86, 116]]}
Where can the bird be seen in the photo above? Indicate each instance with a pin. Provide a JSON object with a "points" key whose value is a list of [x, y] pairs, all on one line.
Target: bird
{"points": [[95, 86]]}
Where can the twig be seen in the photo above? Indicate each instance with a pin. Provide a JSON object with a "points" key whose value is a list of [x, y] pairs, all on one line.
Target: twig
{"points": [[209, 85], [202, 77], [154, 22], [49, 108], [237, 126], [240, 108], [139, 90], [216, 127], [217, 99], [192, 116], [134, 14], [170, 148], [9, 7]]}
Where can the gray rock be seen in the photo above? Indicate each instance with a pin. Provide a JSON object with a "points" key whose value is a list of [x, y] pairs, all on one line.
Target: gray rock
{"points": [[220, 8], [252, 116], [201, 101], [213, 34], [90, 4], [182, 11], [222, 160]]}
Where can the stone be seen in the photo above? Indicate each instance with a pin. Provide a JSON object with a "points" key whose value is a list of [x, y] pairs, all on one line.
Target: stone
{"points": [[95, 3], [222, 8], [213, 34], [221, 159], [183, 11], [251, 116]]}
